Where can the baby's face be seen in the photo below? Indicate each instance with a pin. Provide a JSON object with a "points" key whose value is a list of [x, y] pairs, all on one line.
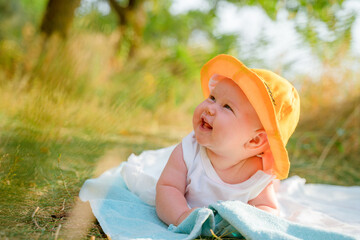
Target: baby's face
{"points": [[225, 120]]}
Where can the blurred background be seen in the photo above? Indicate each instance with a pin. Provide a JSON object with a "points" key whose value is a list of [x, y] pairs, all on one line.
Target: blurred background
{"points": [[82, 78]]}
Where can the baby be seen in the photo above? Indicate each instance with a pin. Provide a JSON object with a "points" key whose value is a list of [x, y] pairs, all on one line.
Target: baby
{"points": [[237, 148]]}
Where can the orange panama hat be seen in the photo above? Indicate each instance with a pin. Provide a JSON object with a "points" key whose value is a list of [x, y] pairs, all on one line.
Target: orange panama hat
{"points": [[274, 99]]}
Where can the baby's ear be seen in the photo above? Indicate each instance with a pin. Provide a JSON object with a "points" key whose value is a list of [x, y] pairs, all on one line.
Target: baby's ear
{"points": [[258, 142]]}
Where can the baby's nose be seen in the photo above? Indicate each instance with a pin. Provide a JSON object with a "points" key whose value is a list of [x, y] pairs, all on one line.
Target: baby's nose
{"points": [[210, 110]]}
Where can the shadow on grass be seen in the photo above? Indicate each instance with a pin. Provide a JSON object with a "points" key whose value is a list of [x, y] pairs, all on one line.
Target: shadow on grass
{"points": [[40, 179]]}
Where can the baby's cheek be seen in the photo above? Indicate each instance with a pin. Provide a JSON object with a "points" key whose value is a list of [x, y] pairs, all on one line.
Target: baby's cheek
{"points": [[229, 122], [198, 108]]}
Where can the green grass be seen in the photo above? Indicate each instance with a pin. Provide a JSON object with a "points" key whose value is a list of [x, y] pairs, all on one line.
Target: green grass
{"points": [[45, 175], [49, 175], [325, 146]]}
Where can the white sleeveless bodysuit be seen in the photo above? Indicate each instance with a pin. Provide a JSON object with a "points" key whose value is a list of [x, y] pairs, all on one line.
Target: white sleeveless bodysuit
{"points": [[204, 186]]}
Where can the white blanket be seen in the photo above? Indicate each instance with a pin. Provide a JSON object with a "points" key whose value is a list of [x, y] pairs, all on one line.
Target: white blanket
{"points": [[336, 208]]}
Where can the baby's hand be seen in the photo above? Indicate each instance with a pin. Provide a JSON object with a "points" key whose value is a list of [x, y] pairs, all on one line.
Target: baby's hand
{"points": [[184, 216]]}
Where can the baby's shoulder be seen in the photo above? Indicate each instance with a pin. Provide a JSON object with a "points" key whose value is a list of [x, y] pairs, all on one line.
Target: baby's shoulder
{"points": [[190, 149]]}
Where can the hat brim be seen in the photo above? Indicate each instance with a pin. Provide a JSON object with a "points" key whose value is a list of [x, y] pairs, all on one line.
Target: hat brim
{"points": [[257, 93]]}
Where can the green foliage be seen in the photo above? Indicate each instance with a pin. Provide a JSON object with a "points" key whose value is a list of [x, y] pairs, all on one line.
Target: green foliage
{"points": [[14, 15], [10, 19], [322, 10], [33, 10], [90, 19], [161, 25], [322, 25]]}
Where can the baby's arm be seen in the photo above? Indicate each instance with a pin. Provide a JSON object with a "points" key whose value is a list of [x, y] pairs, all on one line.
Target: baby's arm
{"points": [[171, 205], [266, 200]]}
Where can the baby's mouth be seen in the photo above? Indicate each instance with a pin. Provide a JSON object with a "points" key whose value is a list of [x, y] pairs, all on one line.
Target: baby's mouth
{"points": [[205, 124]]}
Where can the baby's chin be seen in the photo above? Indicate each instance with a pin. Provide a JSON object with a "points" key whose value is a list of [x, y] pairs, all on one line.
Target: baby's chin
{"points": [[201, 140]]}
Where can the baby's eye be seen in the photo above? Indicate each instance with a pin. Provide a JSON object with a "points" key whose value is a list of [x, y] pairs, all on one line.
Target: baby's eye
{"points": [[212, 98], [228, 107]]}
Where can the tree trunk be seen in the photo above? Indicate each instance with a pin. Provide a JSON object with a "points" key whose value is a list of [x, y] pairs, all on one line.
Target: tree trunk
{"points": [[58, 17], [132, 20]]}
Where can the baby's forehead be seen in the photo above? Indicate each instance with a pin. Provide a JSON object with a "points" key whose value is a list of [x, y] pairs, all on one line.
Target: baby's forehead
{"points": [[219, 81]]}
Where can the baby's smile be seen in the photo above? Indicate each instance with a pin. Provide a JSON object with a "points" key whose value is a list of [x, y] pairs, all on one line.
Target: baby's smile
{"points": [[205, 124]]}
